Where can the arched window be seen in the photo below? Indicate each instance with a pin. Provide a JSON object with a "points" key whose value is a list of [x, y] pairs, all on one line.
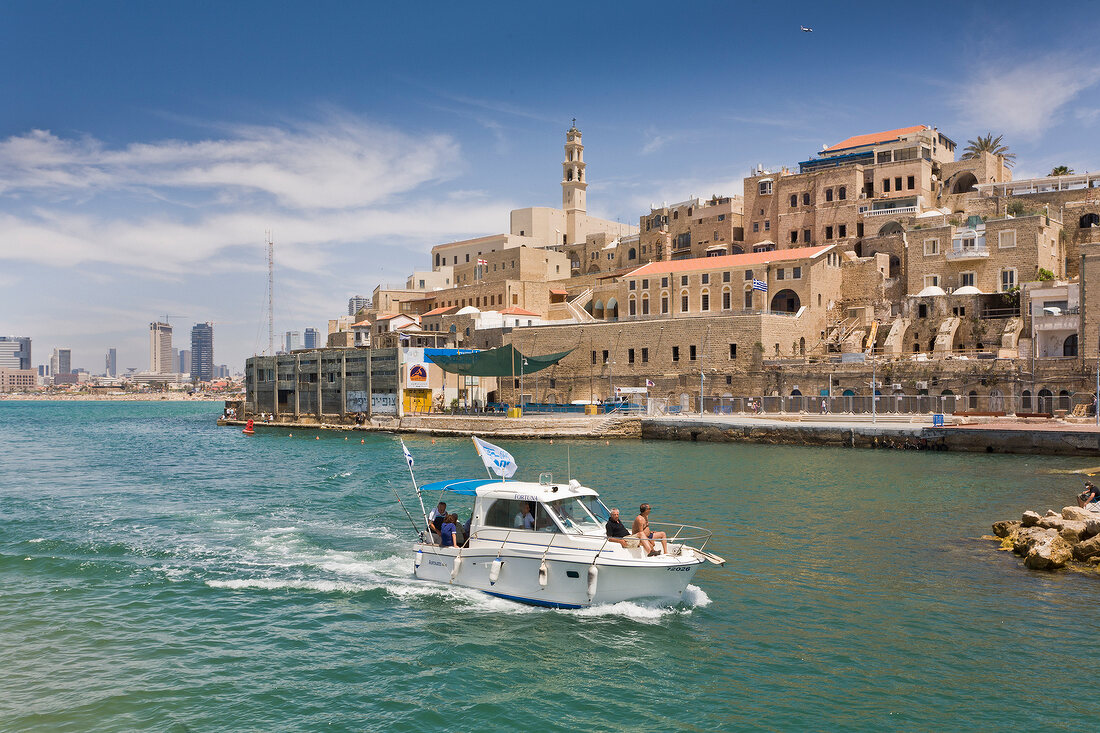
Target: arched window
{"points": [[1063, 400], [973, 401], [664, 302], [1046, 400], [964, 183], [645, 304], [704, 300], [1090, 220], [632, 306], [1025, 399], [683, 301], [727, 298], [802, 346], [632, 254], [785, 301], [569, 175], [1069, 346]]}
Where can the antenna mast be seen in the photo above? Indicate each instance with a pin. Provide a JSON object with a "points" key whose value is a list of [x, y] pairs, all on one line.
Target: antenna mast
{"points": [[270, 294]]}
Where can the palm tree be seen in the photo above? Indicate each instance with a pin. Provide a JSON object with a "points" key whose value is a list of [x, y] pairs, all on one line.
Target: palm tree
{"points": [[1061, 170], [989, 144]]}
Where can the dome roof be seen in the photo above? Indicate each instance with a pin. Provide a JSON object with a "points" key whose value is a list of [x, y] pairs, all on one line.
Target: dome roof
{"points": [[968, 290], [931, 290], [468, 310]]}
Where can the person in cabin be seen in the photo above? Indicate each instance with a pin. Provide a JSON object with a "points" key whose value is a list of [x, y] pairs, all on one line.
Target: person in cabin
{"points": [[616, 530], [437, 515], [524, 518], [1089, 498], [648, 536], [448, 531]]}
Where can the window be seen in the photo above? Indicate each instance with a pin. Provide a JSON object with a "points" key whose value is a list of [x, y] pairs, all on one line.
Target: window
{"points": [[828, 194], [676, 353], [842, 230], [897, 183], [684, 302], [664, 282], [922, 312], [633, 284], [748, 275], [828, 233], [748, 299], [593, 357], [886, 185], [683, 279], [704, 302], [805, 199], [842, 193], [726, 276], [645, 355], [794, 200], [779, 274], [1006, 239], [645, 305], [630, 355], [767, 226], [756, 226], [794, 236], [691, 352], [966, 279], [664, 303], [931, 281], [884, 156], [633, 307], [605, 355], [726, 300], [931, 247], [721, 217], [859, 229], [1008, 279], [806, 236], [645, 284], [796, 273], [705, 278], [733, 351], [911, 183], [765, 188]]}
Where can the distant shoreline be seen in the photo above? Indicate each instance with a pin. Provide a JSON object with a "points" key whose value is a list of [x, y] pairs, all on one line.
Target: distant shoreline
{"points": [[111, 398]]}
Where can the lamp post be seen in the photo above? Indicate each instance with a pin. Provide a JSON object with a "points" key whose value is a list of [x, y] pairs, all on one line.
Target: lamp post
{"points": [[522, 364], [610, 381]]}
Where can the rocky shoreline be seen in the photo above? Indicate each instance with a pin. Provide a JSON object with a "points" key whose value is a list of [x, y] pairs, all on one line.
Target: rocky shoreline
{"points": [[1070, 538]]}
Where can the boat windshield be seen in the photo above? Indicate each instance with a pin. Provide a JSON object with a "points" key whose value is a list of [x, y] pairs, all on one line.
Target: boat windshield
{"points": [[597, 508], [573, 514]]}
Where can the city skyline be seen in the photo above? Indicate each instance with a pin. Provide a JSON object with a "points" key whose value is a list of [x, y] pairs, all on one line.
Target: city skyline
{"points": [[156, 180]]}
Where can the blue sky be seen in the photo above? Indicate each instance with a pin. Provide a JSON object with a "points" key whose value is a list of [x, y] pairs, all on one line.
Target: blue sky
{"points": [[146, 147]]}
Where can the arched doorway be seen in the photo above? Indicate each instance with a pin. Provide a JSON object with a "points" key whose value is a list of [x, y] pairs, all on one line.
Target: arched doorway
{"points": [[1069, 346], [965, 182], [947, 401], [972, 400], [592, 269], [996, 400], [895, 267], [1063, 400], [611, 312], [890, 227], [1089, 220], [795, 405], [785, 301], [1025, 400], [1046, 401]]}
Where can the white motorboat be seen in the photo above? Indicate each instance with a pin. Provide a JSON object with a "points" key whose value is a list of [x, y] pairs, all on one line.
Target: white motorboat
{"points": [[564, 559]]}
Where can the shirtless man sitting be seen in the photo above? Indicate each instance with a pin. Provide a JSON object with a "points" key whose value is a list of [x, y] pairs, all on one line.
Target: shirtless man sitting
{"points": [[641, 528], [616, 530]]}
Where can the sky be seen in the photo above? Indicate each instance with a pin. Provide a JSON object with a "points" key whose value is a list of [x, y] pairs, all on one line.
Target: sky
{"points": [[147, 148]]}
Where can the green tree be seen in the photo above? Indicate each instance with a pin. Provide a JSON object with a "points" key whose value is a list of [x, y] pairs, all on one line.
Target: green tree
{"points": [[1061, 170], [989, 144]]}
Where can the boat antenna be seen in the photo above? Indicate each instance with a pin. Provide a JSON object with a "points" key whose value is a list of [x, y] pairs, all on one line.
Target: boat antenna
{"points": [[568, 465]]}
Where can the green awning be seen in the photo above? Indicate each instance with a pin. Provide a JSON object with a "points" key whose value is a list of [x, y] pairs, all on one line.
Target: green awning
{"points": [[502, 362]]}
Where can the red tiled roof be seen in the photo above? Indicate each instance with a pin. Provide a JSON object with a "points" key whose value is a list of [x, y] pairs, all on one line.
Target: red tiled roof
{"points": [[513, 311], [559, 291], [875, 137], [439, 311], [361, 324], [719, 263]]}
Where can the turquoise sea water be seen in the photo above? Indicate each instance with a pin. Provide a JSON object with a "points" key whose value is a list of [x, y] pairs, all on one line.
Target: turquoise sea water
{"points": [[160, 573]]}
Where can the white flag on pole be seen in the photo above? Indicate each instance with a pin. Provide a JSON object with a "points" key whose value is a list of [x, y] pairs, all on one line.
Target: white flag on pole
{"points": [[408, 456], [496, 459]]}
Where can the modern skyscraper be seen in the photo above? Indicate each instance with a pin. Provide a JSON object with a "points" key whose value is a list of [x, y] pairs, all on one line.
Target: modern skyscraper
{"points": [[61, 362], [357, 303], [112, 363], [292, 341], [202, 352], [15, 352], [184, 366], [160, 348], [312, 337]]}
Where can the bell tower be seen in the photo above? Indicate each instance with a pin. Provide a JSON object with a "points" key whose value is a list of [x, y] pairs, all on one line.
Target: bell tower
{"points": [[573, 184]]}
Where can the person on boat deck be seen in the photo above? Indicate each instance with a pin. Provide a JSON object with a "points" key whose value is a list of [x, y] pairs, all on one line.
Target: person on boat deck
{"points": [[448, 531], [524, 518], [616, 530], [466, 530], [1090, 495], [641, 528], [437, 515]]}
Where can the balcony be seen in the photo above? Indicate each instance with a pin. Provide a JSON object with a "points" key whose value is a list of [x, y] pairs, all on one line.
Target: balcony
{"points": [[1061, 322], [897, 211], [967, 253]]}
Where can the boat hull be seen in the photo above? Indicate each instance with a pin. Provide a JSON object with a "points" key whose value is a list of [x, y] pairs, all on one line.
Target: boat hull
{"points": [[566, 582]]}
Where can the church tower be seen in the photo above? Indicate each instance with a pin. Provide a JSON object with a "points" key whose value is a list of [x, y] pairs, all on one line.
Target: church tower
{"points": [[573, 185]]}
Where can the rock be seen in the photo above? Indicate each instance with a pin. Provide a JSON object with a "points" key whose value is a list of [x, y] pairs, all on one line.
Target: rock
{"points": [[1052, 513], [1090, 548], [1005, 528], [1092, 527], [1029, 519], [1049, 522], [1076, 513], [1072, 532], [1028, 537], [1049, 553]]}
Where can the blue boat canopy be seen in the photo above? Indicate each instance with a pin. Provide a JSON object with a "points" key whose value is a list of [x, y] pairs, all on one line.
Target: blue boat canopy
{"points": [[465, 487]]}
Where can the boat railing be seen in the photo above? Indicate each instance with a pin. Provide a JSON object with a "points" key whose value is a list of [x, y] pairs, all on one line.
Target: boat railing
{"points": [[682, 532]]}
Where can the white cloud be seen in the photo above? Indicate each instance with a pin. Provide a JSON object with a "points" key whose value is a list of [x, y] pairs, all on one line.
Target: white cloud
{"points": [[1025, 99]]}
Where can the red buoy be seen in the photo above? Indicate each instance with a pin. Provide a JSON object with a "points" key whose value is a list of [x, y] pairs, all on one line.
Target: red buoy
{"points": [[248, 428]]}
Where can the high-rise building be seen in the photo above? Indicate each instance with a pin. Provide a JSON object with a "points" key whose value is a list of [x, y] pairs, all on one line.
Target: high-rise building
{"points": [[61, 362], [15, 352], [112, 363], [202, 352], [312, 338], [160, 348], [292, 341], [357, 303], [184, 365]]}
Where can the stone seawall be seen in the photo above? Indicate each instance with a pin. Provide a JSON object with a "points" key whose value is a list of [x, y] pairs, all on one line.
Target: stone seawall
{"points": [[527, 427]]}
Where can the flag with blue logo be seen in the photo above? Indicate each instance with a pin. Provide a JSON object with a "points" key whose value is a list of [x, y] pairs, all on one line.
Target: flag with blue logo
{"points": [[496, 459], [759, 285], [408, 456]]}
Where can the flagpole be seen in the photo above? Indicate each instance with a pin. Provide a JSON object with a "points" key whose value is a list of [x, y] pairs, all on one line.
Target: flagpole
{"points": [[420, 498]]}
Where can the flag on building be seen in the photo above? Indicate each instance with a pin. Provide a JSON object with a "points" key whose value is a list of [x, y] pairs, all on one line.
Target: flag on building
{"points": [[760, 285]]}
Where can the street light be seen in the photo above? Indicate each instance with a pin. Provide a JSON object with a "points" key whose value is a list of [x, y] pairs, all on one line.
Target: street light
{"points": [[522, 364]]}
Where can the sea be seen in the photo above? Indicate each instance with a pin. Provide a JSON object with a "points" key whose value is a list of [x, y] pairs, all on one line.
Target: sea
{"points": [[158, 572]]}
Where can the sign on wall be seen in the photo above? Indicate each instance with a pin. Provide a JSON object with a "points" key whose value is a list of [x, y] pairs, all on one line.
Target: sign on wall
{"points": [[416, 374], [383, 403], [357, 401]]}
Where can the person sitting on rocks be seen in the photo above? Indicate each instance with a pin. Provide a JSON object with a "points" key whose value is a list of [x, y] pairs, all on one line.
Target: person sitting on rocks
{"points": [[1089, 498]]}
